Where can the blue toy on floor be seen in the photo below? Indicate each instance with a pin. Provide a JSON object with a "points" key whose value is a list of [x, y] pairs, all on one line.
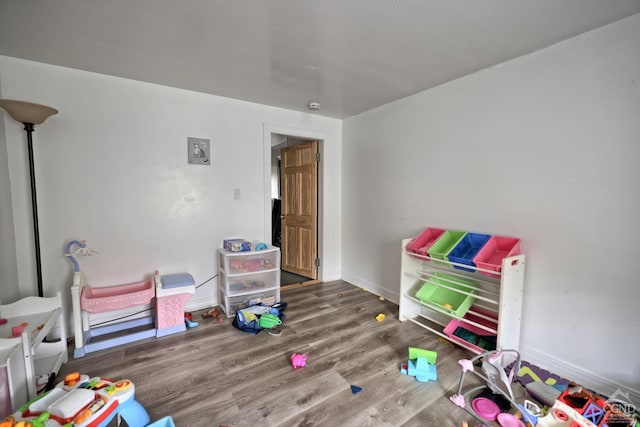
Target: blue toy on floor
{"points": [[421, 364]]}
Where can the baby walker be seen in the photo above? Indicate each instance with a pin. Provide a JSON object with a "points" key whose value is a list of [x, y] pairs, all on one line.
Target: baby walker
{"points": [[170, 293]]}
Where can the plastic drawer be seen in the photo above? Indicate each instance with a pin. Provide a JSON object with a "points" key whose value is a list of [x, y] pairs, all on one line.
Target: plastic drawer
{"points": [[248, 262], [249, 283], [231, 304]]}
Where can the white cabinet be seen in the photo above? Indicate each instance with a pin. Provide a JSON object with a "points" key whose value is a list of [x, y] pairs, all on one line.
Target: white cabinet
{"points": [[496, 300], [29, 355], [247, 278]]}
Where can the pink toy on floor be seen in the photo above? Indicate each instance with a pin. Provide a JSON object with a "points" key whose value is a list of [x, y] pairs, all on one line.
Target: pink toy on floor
{"points": [[298, 360]]}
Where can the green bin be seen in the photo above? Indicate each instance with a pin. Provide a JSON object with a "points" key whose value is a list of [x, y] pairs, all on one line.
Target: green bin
{"points": [[433, 294]]}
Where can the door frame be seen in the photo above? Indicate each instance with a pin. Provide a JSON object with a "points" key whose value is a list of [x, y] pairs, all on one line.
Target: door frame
{"points": [[268, 131]]}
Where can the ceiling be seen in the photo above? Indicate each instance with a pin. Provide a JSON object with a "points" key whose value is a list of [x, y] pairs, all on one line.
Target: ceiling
{"points": [[348, 55]]}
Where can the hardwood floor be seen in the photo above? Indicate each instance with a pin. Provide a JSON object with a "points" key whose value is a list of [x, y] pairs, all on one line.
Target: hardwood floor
{"points": [[216, 375]]}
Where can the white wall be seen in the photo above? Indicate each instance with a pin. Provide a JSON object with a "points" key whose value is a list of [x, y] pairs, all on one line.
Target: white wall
{"points": [[8, 266], [545, 147], [112, 169]]}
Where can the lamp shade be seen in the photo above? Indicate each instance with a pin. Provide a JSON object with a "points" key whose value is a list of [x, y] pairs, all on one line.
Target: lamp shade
{"points": [[27, 112]]}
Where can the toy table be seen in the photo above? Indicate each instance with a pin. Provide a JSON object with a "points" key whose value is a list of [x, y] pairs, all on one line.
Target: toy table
{"points": [[83, 402]]}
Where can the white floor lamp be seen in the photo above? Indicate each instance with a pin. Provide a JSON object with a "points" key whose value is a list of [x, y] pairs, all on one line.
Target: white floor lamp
{"points": [[30, 114]]}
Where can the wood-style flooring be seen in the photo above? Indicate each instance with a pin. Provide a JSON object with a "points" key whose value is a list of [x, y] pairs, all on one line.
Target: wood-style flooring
{"points": [[216, 375]]}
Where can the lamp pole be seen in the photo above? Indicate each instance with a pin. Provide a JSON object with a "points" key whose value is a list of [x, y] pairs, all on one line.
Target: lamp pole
{"points": [[30, 114], [28, 127]]}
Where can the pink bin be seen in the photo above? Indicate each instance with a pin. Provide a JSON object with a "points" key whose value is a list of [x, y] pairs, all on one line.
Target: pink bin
{"points": [[455, 323], [491, 255], [423, 242]]}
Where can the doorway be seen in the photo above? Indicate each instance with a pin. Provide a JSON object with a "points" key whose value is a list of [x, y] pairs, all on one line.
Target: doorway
{"points": [[295, 200]]}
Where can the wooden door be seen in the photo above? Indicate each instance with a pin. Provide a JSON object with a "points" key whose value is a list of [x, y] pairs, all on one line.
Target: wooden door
{"points": [[299, 192]]}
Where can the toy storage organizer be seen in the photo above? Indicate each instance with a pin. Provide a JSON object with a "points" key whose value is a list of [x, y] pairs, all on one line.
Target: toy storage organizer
{"points": [[167, 317], [248, 278], [451, 288]]}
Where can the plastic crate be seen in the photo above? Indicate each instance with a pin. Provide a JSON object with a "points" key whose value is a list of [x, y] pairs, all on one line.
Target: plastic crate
{"points": [[424, 241], [445, 243], [434, 294], [454, 324], [466, 249], [492, 253]]}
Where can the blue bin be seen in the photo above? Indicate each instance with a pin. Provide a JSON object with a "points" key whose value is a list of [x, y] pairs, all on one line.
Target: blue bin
{"points": [[466, 250]]}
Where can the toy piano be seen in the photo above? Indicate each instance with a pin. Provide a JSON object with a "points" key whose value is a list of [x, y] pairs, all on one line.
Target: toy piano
{"points": [[81, 401]]}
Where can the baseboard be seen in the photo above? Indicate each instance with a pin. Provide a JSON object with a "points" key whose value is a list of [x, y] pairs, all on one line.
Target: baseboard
{"points": [[577, 374], [371, 287], [330, 277]]}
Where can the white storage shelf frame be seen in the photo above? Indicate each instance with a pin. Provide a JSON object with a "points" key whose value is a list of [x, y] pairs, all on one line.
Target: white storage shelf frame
{"points": [[227, 276], [500, 295], [27, 357]]}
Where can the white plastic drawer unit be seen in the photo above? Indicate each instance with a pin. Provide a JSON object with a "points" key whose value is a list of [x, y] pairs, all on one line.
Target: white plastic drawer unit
{"points": [[249, 283], [248, 262], [248, 278]]}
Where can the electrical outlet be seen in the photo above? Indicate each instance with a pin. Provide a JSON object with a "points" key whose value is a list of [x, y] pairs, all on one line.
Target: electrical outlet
{"points": [[199, 151], [236, 193]]}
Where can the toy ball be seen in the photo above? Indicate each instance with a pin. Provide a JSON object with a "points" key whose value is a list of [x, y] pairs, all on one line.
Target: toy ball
{"points": [[380, 317], [298, 360]]}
